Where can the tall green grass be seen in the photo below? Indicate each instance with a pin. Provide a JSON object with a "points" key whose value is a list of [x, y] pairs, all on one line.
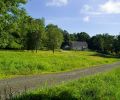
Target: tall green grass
{"points": [[26, 63], [99, 87]]}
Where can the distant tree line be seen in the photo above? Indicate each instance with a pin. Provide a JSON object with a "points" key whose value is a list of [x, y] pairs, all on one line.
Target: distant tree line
{"points": [[19, 31], [103, 43]]}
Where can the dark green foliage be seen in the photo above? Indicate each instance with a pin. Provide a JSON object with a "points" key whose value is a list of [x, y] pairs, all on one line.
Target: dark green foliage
{"points": [[35, 31], [32, 40], [116, 45], [11, 14], [73, 37], [20, 31], [96, 43], [54, 37], [83, 36], [4, 40], [105, 43], [66, 41]]}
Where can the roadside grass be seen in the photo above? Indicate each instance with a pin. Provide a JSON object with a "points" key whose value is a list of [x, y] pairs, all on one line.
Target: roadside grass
{"points": [[15, 63], [103, 86]]}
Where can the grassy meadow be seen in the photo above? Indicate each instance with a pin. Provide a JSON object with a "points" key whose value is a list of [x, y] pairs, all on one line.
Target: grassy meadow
{"points": [[104, 86], [28, 63]]}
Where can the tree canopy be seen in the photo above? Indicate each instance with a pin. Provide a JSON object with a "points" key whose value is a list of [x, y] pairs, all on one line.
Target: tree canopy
{"points": [[20, 31], [11, 14], [54, 37]]}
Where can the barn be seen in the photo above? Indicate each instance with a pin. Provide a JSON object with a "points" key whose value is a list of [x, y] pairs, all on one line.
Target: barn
{"points": [[76, 45]]}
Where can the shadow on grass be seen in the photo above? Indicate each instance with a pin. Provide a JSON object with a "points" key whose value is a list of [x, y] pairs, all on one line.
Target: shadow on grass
{"points": [[65, 95], [105, 55]]}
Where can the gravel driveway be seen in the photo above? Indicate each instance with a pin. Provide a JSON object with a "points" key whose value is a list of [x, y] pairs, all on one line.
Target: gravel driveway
{"points": [[21, 84]]}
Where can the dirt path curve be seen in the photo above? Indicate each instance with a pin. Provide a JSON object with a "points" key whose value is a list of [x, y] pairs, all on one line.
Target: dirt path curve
{"points": [[31, 82]]}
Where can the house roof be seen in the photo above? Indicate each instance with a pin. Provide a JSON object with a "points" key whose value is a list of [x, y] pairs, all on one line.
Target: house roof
{"points": [[77, 43]]}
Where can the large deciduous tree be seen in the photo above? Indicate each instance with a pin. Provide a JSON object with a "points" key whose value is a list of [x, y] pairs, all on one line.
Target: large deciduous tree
{"points": [[116, 45], [66, 40], [54, 37], [83, 36], [10, 12], [34, 37], [96, 43], [102, 43]]}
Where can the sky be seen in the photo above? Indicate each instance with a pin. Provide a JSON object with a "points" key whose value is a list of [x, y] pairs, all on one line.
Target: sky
{"points": [[91, 16]]}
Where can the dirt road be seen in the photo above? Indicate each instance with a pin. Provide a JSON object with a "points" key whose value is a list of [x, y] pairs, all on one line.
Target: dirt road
{"points": [[20, 84]]}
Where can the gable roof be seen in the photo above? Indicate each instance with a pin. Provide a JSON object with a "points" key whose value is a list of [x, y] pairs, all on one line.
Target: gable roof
{"points": [[77, 43]]}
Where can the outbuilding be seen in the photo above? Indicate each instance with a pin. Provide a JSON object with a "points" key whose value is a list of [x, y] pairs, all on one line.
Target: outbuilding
{"points": [[76, 45]]}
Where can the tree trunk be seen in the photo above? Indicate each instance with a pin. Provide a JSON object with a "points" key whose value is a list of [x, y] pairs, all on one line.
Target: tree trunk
{"points": [[53, 49], [36, 50]]}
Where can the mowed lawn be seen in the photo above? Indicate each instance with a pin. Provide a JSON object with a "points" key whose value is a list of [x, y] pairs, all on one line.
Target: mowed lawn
{"points": [[104, 86], [27, 62]]}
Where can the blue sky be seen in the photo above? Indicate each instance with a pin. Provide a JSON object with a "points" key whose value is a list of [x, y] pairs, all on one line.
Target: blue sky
{"points": [[91, 16]]}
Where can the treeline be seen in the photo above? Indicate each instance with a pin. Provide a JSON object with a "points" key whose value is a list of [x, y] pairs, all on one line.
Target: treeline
{"points": [[22, 32], [103, 43]]}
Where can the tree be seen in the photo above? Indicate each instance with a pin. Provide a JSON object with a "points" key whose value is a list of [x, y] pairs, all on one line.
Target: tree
{"points": [[83, 36], [73, 37], [54, 37], [33, 40], [66, 37], [10, 13], [35, 33], [108, 43], [96, 43], [116, 44], [4, 40], [102, 43]]}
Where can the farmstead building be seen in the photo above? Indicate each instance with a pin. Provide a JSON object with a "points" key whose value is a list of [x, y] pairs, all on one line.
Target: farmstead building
{"points": [[76, 45]]}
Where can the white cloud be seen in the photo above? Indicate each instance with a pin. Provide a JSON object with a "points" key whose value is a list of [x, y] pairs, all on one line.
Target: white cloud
{"points": [[89, 10], [86, 19], [86, 8], [57, 3], [111, 7]]}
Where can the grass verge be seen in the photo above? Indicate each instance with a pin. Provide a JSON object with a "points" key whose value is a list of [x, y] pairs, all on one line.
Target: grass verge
{"points": [[104, 86]]}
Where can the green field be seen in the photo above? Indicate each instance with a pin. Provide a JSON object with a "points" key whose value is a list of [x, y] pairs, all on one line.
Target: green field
{"points": [[28, 63], [105, 86]]}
